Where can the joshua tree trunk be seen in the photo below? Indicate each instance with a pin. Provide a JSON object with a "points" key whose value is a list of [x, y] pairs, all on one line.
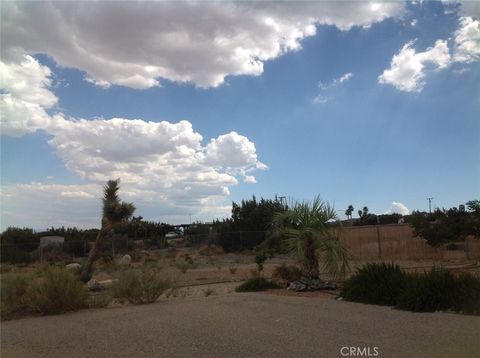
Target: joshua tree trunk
{"points": [[87, 267], [310, 263]]}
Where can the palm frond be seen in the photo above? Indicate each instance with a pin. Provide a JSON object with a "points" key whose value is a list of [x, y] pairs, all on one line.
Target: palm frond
{"points": [[334, 256]]}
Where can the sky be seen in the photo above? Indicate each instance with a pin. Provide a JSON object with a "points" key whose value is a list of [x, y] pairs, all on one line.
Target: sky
{"points": [[194, 105]]}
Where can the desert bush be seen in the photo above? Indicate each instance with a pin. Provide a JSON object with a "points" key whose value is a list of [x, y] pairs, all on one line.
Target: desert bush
{"points": [[439, 290], [468, 294], [5, 268], [209, 250], [14, 298], [58, 291], [373, 283], [140, 286], [260, 259], [209, 291], [286, 273], [100, 300], [186, 263], [233, 270], [255, 284]]}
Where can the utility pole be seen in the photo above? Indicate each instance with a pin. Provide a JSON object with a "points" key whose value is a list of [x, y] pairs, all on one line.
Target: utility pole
{"points": [[430, 205]]}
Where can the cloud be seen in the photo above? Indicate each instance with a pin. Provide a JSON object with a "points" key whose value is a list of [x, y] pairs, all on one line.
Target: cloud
{"points": [[467, 40], [335, 82], [25, 96], [161, 164], [407, 68], [321, 98], [136, 44], [398, 208]]}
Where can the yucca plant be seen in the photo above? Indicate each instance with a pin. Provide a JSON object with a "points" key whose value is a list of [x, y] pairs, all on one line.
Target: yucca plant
{"points": [[307, 228], [114, 212]]}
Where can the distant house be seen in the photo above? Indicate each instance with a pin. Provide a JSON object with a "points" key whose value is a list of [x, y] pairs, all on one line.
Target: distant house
{"points": [[51, 240]]}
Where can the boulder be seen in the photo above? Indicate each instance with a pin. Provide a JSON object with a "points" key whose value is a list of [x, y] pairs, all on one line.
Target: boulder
{"points": [[311, 284], [75, 267], [94, 285], [126, 260]]}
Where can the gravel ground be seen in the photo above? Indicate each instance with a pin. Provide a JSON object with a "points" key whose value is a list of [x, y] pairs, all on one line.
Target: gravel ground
{"points": [[243, 325]]}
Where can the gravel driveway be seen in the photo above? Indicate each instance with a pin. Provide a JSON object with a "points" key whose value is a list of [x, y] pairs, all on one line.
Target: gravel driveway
{"points": [[244, 325]]}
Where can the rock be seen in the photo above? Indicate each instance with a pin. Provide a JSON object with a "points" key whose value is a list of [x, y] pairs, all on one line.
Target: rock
{"points": [[74, 267], [311, 284], [94, 285], [107, 283], [126, 260]]}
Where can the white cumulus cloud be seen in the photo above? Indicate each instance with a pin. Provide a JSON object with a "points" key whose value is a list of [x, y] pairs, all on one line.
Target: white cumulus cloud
{"points": [[398, 208], [467, 40], [138, 43], [407, 68], [162, 165], [25, 97]]}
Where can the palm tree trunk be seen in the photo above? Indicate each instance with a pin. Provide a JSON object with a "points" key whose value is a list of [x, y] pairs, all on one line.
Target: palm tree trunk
{"points": [[310, 262], [92, 255]]}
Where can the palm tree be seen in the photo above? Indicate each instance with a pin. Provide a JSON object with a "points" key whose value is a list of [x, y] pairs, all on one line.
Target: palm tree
{"points": [[306, 228], [114, 212]]}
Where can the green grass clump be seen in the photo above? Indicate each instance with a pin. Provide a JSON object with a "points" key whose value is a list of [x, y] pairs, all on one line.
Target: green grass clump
{"points": [[379, 284], [256, 284], [140, 286]]}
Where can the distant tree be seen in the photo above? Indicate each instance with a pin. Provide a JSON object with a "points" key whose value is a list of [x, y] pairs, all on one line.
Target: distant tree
{"points": [[248, 224], [443, 226], [349, 211], [16, 244], [114, 212]]}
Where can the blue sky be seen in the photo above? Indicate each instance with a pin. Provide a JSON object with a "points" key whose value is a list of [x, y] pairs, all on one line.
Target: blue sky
{"points": [[317, 115]]}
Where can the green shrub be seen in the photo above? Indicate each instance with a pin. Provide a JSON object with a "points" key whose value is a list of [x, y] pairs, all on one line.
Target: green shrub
{"points": [[439, 290], [186, 264], [100, 300], [468, 294], [140, 287], [255, 284], [286, 273], [374, 283], [233, 270], [14, 298], [59, 291]]}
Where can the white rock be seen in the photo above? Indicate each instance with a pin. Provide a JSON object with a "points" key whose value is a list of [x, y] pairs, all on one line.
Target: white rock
{"points": [[126, 260], [74, 267], [94, 285]]}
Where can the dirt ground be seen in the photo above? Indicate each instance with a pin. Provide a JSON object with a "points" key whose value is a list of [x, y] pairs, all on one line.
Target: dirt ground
{"points": [[243, 325]]}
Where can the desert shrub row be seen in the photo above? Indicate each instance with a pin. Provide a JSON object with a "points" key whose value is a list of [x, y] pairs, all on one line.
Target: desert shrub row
{"points": [[436, 290], [54, 290]]}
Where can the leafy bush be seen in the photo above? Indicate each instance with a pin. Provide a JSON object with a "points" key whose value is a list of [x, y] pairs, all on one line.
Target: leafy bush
{"points": [[373, 283], [233, 270], [139, 287], [439, 290], [286, 273], [58, 291], [468, 294], [14, 300], [260, 259], [255, 284]]}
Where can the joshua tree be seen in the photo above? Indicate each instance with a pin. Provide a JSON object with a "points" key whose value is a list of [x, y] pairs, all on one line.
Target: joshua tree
{"points": [[306, 229], [349, 211], [114, 212]]}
